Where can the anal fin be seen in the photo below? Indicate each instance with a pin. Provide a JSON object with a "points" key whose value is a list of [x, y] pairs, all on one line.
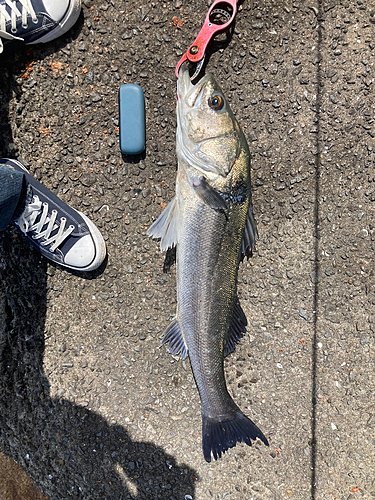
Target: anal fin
{"points": [[177, 344]]}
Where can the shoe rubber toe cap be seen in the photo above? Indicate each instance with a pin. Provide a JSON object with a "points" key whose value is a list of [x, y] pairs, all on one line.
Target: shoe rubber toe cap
{"points": [[82, 254], [56, 10]]}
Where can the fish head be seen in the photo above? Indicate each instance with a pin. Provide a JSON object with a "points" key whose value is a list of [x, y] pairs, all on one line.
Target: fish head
{"points": [[208, 135]]}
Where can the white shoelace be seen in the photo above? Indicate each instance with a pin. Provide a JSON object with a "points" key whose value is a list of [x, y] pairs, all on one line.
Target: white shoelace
{"points": [[26, 222], [26, 8]]}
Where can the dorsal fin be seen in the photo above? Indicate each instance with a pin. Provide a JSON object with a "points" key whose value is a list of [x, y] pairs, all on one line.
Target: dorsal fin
{"points": [[250, 233], [237, 328]]}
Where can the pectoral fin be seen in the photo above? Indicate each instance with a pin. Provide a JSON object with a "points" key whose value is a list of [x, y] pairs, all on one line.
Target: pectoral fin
{"points": [[177, 344], [165, 227], [208, 194], [236, 329], [250, 234]]}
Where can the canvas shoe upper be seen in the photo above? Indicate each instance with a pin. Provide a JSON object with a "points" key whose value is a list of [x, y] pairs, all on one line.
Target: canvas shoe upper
{"points": [[58, 231], [25, 22]]}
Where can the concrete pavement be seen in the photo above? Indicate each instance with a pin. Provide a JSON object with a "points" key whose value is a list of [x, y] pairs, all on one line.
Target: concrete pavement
{"points": [[89, 406]]}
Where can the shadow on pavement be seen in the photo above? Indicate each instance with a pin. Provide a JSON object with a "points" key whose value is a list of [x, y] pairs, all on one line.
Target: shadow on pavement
{"points": [[67, 450]]}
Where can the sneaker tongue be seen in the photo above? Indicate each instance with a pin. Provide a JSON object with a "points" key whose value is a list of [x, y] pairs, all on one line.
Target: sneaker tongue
{"points": [[29, 214], [29, 193]]}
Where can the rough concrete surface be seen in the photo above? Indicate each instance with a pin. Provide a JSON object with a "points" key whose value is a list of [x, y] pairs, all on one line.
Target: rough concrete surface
{"points": [[15, 484], [89, 406]]}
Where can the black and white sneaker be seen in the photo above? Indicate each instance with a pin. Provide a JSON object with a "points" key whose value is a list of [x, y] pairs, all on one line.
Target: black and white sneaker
{"points": [[60, 233], [25, 22]]}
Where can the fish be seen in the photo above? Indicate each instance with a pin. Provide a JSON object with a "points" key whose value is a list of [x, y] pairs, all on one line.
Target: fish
{"points": [[210, 222]]}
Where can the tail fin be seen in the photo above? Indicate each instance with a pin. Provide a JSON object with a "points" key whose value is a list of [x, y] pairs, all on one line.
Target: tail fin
{"points": [[218, 437]]}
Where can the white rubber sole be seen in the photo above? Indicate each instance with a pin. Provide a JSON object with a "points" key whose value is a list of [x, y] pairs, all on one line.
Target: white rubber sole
{"points": [[67, 22], [100, 247]]}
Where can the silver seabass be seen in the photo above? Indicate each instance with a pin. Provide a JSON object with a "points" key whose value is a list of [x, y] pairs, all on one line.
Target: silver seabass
{"points": [[210, 221]]}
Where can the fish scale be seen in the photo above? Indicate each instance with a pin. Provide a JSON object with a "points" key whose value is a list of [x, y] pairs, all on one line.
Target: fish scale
{"points": [[210, 221], [205, 305]]}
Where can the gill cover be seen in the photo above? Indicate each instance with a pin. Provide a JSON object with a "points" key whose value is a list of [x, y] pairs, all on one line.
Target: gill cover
{"points": [[208, 135]]}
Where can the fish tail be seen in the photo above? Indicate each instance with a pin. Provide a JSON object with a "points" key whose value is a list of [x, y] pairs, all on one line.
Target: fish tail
{"points": [[218, 437]]}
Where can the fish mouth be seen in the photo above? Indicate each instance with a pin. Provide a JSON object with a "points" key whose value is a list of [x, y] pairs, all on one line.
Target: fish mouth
{"points": [[189, 97], [189, 102], [188, 93]]}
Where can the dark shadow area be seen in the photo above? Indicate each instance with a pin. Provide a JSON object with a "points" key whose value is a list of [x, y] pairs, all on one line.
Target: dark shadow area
{"points": [[170, 259], [8, 88], [134, 159], [316, 237], [67, 450]]}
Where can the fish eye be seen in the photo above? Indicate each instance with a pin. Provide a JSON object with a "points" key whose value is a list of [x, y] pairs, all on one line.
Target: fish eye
{"points": [[216, 102]]}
